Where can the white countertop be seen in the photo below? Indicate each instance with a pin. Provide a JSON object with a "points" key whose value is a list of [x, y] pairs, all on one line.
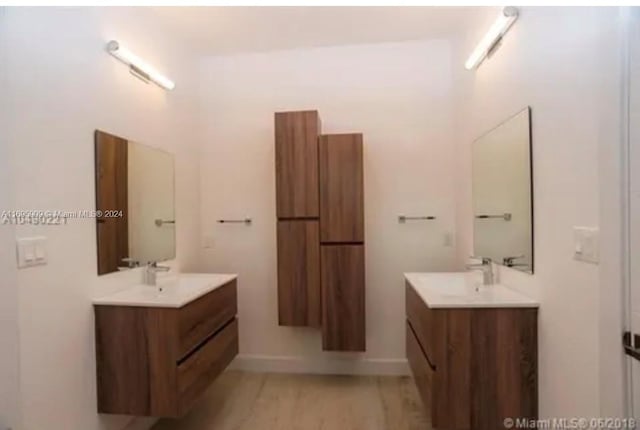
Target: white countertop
{"points": [[465, 290], [171, 292]]}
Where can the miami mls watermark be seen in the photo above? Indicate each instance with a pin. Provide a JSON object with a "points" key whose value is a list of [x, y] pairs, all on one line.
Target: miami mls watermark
{"points": [[53, 217], [578, 423]]}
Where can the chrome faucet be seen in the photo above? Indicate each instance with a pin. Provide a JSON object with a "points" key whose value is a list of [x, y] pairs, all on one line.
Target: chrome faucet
{"points": [[511, 261], [151, 271], [487, 269]]}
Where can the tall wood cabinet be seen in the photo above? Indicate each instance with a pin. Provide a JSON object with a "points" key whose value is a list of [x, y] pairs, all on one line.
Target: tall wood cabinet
{"points": [[320, 231], [297, 209], [342, 242]]}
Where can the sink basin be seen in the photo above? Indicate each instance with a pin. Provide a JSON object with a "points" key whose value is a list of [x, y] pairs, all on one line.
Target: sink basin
{"points": [[170, 292], [465, 290]]}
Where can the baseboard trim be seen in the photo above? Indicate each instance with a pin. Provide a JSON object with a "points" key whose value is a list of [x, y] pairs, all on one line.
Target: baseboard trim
{"points": [[322, 366]]}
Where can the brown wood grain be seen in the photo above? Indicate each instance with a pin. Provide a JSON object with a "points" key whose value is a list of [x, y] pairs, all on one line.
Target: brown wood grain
{"points": [[122, 361], [516, 364], [111, 159], [341, 188], [420, 368], [162, 339], [423, 323], [299, 301], [296, 151], [140, 351], [343, 297], [486, 366], [454, 374], [197, 372], [205, 316]]}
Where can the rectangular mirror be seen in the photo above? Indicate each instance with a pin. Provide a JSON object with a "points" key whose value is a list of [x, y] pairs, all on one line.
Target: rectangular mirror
{"points": [[135, 208], [503, 194]]}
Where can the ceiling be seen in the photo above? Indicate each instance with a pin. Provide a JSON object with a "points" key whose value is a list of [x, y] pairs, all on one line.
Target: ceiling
{"points": [[225, 30]]}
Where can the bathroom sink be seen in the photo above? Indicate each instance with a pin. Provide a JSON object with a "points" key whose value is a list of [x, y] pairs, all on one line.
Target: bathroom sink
{"points": [[465, 290], [170, 291]]}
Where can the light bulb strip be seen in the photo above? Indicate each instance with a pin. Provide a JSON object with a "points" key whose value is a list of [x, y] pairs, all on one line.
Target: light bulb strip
{"points": [[498, 29], [140, 66]]}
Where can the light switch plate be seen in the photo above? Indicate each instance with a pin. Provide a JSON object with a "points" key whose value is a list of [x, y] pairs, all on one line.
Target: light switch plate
{"points": [[586, 244], [31, 251]]}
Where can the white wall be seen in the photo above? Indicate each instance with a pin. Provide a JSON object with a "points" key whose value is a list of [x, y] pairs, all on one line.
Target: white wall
{"points": [[559, 61], [613, 378], [399, 96], [9, 352], [61, 86]]}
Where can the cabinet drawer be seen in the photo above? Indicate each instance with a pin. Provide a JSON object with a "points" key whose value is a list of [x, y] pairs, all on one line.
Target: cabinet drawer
{"points": [[200, 319], [205, 364], [424, 322], [423, 373]]}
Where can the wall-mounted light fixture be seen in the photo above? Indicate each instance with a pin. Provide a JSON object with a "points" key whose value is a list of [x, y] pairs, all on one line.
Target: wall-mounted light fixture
{"points": [[138, 67], [490, 41]]}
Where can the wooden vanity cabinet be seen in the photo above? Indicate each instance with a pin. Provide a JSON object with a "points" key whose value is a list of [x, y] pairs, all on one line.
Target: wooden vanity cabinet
{"points": [[156, 361], [474, 367]]}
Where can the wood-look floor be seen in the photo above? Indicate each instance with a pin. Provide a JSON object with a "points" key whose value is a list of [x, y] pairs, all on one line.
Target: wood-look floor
{"points": [[258, 401]]}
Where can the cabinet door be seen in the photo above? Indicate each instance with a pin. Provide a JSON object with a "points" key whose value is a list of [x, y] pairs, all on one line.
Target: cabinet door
{"points": [[297, 164], [341, 188], [298, 273], [343, 298]]}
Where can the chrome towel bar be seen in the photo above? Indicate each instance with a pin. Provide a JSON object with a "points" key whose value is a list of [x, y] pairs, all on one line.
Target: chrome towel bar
{"points": [[161, 222], [404, 218], [246, 221], [504, 216]]}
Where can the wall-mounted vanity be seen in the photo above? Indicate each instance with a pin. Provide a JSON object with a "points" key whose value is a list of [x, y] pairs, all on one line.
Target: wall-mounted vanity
{"points": [[160, 343], [473, 350], [472, 344], [157, 351]]}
